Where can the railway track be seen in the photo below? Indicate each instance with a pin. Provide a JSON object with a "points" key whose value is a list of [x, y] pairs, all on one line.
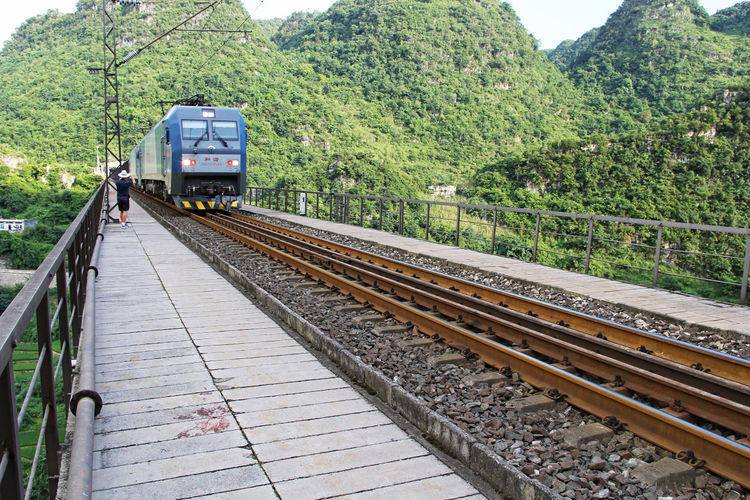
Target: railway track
{"points": [[606, 369]]}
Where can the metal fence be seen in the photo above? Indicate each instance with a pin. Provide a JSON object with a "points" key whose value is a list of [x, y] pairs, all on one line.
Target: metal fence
{"points": [[55, 320], [701, 259]]}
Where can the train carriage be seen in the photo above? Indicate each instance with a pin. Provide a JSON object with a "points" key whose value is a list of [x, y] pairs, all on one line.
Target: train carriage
{"points": [[195, 156]]}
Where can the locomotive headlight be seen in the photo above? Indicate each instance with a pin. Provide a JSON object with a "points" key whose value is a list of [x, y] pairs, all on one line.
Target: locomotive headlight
{"points": [[233, 163], [187, 163]]}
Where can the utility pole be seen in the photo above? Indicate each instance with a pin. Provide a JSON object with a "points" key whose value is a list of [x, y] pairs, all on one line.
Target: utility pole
{"points": [[112, 142]]}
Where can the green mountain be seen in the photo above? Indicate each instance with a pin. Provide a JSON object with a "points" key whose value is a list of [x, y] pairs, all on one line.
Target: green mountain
{"points": [[372, 96], [292, 26], [734, 20], [568, 51], [462, 77], [303, 132], [657, 57], [689, 167], [269, 27]]}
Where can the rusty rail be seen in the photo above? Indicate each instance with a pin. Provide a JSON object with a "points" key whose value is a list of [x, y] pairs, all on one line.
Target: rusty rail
{"points": [[706, 360], [728, 458]]}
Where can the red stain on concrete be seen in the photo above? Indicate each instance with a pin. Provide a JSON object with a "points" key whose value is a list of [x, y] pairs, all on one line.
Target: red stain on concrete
{"points": [[212, 419]]}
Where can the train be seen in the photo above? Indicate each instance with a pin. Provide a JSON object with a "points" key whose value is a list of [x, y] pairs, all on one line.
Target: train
{"points": [[194, 157]]}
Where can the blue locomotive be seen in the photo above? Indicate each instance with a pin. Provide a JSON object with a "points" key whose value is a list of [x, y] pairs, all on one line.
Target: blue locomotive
{"points": [[195, 156]]}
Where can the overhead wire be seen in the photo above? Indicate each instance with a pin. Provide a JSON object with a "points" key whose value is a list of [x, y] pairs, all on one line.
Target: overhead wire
{"points": [[247, 18]]}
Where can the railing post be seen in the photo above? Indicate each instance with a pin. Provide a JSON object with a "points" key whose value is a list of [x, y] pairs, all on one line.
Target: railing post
{"points": [[286, 201], [361, 212], [401, 217], [330, 208], [743, 292], [588, 244], [380, 216], [427, 223], [458, 223], [81, 291], [317, 205], [536, 237], [62, 321], [47, 382], [657, 255], [494, 231], [73, 291], [11, 485]]}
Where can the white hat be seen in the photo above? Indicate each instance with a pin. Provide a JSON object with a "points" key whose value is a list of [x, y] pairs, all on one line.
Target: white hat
{"points": [[123, 174]]}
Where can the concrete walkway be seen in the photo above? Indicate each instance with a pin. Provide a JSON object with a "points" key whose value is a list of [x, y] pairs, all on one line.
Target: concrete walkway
{"points": [[204, 395], [678, 307]]}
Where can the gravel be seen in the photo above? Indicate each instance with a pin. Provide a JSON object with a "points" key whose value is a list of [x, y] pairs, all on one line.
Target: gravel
{"points": [[528, 441]]}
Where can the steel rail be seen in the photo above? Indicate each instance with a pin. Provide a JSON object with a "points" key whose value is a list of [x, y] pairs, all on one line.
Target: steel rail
{"points": [[655, 378], [725, 457], [696, 357]]}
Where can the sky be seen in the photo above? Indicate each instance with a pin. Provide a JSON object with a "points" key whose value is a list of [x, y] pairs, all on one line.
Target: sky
{"points": [[550, 21]]}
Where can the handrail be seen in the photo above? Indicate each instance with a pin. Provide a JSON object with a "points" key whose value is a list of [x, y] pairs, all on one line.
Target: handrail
{"points": [[401, 213], [65, 264], [82, 450]]}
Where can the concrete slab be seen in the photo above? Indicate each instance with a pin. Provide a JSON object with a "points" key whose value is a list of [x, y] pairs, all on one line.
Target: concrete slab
{"points": [[361, 479], [448, 486], [275, 360], [168, 468], [576, 436], [265, 492], [489, 378], [306, 428], [667, 474], [165, 432], [280, 450], [147, 452], [532, 403], [208, 483], [293, 400], [448, 358], [342, 460]]}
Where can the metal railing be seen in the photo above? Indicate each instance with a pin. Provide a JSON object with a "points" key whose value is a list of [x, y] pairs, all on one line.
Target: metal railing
{"points": [[57, 313], [665, 254]]}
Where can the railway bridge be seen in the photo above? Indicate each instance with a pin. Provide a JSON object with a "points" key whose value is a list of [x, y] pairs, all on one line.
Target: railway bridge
{"points": [[175, 364]]}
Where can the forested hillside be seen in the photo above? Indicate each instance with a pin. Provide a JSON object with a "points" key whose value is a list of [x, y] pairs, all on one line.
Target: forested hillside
{"points": [[733, 20], [655, 58], [392, 96], [462, 77], [691, 167], [565, 54]]}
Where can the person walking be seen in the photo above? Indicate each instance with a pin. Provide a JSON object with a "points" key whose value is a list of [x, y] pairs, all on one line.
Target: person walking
{"points": [[123, 196]]}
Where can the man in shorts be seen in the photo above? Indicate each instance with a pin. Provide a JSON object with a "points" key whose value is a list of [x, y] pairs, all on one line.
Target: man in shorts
{"points": [[123, 196]]}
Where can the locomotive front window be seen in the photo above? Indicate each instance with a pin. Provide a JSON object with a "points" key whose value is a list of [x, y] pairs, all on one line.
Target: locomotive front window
{"points": [[225, 130], [194, 129]]}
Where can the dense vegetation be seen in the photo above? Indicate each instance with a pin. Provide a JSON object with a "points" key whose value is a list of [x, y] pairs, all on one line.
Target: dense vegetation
{"points": [[564, 55], [691, 167], [733, 20], [655, 58], [392, 96], [34, 191]]}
